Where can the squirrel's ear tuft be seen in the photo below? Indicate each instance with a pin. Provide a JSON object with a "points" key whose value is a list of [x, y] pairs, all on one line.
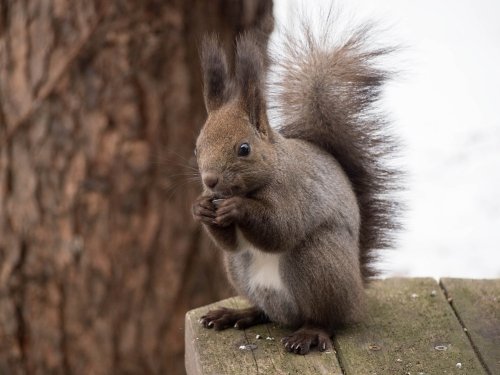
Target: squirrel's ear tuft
{"points": [[216, 84], [250, 72]]}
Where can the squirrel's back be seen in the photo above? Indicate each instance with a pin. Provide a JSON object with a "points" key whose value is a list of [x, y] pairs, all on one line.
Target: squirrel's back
{"points": [[326, 94], [300, 213]]}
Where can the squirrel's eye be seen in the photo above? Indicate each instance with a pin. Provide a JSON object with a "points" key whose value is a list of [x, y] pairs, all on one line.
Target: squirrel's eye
{"points": [[244, 149]]}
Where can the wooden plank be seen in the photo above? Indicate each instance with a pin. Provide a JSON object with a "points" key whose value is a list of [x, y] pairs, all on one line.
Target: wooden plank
{"points": [[477, 304], [273, 359], [210, 352], [410, 329]]}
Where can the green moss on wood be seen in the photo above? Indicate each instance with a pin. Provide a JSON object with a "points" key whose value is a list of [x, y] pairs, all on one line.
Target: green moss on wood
{"points": [[477, 304], [410, 328]]}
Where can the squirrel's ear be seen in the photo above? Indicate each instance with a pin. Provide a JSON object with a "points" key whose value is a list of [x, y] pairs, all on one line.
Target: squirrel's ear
{"points": [[216, 85], [250, 72]]}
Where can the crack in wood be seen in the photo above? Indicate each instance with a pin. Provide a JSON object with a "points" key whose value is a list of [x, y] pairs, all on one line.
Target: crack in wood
{"points": [[236, 305], [337, 350], [466, 331], [252, 350]]}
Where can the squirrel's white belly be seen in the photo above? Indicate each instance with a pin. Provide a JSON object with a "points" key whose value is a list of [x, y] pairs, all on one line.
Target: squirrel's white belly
{"points": [[263, 270]]}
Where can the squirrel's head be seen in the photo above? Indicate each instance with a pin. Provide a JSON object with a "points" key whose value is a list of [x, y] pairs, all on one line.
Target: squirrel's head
{"points": [[234, 150]]}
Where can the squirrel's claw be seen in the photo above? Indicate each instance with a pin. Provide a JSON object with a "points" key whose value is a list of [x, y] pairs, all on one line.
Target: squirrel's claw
{"points": [[226, 318], [301, 341]]}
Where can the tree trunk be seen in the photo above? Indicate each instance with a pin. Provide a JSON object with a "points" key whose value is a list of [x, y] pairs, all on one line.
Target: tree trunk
{"points": [[100, 104]]}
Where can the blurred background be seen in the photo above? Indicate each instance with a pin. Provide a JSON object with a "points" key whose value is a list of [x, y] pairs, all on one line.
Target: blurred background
{"points": [[100, 105]]}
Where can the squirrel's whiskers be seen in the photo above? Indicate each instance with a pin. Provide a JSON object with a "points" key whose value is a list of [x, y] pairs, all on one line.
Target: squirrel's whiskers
{"points": [[302, 211]]}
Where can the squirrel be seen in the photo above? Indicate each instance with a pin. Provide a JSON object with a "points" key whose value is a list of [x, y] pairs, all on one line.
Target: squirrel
{"points": [[300, 211]]}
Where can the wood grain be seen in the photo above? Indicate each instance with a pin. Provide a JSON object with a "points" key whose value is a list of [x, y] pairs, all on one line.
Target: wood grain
{"points": [[410, 329], [409, 321], [477, 304], [211, 352]]}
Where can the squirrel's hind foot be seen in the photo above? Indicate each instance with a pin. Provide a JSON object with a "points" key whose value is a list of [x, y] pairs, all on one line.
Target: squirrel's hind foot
{"points": [[302, 340], [240, 319]]}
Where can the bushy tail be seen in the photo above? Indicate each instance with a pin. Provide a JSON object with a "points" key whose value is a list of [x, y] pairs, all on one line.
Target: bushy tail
{"points": [[326, 94]]}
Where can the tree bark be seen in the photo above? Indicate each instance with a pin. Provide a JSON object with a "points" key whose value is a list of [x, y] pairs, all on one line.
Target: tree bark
{"points": [[100, 105]]}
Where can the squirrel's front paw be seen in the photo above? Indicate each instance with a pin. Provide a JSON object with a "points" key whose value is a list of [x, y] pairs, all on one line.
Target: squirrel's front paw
{"points": [[229, 210], [204, 210]]}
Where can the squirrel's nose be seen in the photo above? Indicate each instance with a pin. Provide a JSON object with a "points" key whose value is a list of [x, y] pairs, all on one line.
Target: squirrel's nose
{"points": [[210, 179]]}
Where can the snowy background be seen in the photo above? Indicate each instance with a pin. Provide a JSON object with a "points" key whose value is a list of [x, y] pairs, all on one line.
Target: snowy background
{"points": [[446, 109]]}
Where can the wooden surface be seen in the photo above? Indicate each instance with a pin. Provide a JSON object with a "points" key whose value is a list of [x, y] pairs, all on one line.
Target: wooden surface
{"points": [[477, 305], [211, 352], [411, 328], [407, 322]]}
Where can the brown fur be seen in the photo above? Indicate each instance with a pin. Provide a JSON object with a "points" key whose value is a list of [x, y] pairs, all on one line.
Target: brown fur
{"points": [[309, 200], [328, 96]]}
